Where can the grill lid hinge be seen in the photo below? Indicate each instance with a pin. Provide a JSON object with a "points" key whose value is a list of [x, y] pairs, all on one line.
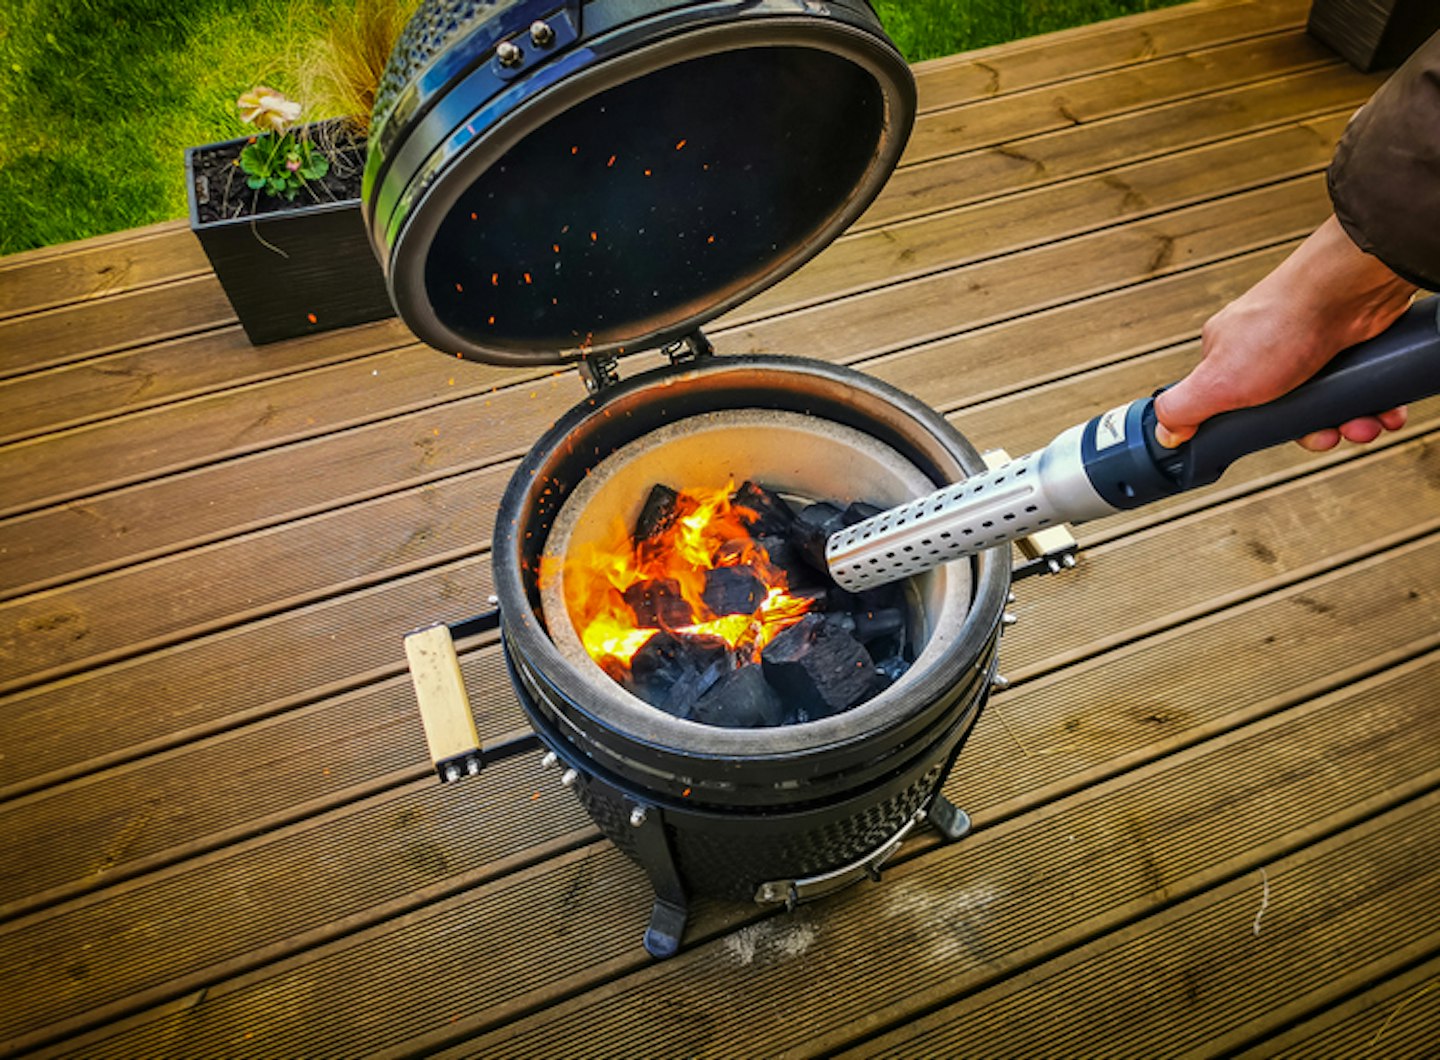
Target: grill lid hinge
{"points": [[692, 347], [598, 370]]}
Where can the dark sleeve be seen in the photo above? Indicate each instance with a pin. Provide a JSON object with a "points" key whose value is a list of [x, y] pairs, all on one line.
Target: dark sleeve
{"points": [[1385, 177]]}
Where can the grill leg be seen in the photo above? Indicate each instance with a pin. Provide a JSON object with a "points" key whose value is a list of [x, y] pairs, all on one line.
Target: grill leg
{"points": [[949, 820], [672, 904]]}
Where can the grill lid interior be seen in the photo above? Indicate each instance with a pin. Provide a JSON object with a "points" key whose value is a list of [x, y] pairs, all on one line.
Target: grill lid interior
{"points": [[624, 206]]}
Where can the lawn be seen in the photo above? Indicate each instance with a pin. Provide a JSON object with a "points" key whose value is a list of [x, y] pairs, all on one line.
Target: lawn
{"points": [[99, 98]]}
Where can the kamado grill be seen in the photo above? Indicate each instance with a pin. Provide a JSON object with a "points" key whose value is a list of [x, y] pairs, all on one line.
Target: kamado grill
{"points": [[573, 183]]}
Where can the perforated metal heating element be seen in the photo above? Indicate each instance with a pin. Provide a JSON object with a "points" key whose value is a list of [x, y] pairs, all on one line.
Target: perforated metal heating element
{"points": [[1000, 506]]}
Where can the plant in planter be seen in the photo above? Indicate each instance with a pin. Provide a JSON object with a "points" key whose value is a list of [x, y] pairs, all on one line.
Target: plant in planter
{"points": [[278, 215], [281, 160]]}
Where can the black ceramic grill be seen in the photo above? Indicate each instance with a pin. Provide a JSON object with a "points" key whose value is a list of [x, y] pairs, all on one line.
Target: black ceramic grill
{"points": [[552, 183]]}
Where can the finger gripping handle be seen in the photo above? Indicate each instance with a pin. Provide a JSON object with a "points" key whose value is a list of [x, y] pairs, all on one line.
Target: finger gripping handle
{"points": [[1400, 364]]}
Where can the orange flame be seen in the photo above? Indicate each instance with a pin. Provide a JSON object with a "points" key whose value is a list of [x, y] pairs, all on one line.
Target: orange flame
{"points": [[708, 532]]}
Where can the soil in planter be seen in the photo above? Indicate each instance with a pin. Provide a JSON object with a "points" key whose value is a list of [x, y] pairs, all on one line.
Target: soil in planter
{"points": [[221, 192]]}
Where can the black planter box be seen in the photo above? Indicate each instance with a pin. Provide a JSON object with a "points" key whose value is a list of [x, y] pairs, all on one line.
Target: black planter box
{"points": [[1374, 34], [303, 268]]}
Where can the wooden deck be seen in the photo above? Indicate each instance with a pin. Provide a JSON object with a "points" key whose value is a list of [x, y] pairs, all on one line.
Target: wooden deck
{"points": [[1207, 810]]}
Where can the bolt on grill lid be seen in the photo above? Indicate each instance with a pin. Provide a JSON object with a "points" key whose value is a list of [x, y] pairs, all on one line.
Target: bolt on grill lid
{"points": [[606, 177]]}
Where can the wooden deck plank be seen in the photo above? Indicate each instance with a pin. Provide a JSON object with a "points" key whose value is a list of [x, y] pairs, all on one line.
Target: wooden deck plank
{"points": [[1335, 905], [133, 524], [151, 314], [984, 123], [373, 859], [1365, 616], [1096, 146], [995, 904], [1096, 48], [153, 375], [1202, 803], [99, 269], [1395, 1018]]}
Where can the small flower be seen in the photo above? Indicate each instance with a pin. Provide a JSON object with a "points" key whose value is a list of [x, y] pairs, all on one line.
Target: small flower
{"points": [[267, 109], [292, 164]]}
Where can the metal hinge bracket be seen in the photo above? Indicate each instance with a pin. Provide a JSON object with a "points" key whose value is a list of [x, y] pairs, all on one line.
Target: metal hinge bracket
{"points": [[691, 348], [599, 370]]}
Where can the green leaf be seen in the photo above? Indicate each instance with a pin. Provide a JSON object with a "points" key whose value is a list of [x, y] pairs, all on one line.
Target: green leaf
{"points": [[255, 181], [315, 166], [253, 161]]}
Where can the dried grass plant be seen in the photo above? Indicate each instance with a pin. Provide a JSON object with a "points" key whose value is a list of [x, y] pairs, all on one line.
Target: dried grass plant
{"points": [[340, 74]]}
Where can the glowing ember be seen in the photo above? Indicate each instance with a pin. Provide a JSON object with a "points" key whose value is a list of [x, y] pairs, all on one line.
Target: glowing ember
{"points": [[664, 572]]}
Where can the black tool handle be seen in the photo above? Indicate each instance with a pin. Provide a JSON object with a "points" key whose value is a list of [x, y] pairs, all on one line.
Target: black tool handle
{"points": [[1400, 364]]}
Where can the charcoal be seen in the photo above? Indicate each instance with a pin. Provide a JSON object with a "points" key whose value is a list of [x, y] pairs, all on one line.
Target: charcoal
{"points": [[733, 591], [681, 697], [879, 598], [658, 604], [671, 667], [742, 699], [891, 669], [811, 529], [786, 557], [858, 512], [866, 626], [772, 514], [658, 513], [819, 668]]}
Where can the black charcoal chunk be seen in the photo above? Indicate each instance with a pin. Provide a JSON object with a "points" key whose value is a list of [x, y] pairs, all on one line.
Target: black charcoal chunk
{"points": [[859, 511], [682, 696], [733, 591], [866, 626], [772, 514], [658, 604], [891, 669], [658, 513], [818, 668], [879, 598], [786, 558], [742, 699], [671, 671], [811, 529]]}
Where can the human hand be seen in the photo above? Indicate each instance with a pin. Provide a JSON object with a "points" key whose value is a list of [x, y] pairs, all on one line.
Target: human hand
{"points": [[1325, 297]]}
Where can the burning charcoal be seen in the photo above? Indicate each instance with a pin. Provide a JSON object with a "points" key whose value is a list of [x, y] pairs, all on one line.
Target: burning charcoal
{"points": [[866, 626], [658, 604], [658, 514], [819, 668], [742, 699], [811, 529], [858, 512], [669, 660], [733, 591], [773, 514], [783, 555]]}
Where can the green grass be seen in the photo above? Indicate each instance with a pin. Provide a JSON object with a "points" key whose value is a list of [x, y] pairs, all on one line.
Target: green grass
{"points": [[100, 98]]}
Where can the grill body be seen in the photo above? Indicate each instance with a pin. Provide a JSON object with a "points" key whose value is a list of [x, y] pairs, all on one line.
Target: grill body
{"points": [[742, 808]]}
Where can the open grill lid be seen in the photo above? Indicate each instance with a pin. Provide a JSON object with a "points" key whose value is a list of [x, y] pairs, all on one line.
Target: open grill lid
{"points": [[546, 183]]}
